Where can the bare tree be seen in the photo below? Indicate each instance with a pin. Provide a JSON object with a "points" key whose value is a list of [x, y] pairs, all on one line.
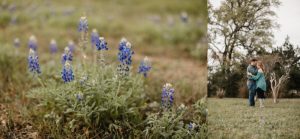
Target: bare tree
{"points": [[278, 84], [287, 58]]}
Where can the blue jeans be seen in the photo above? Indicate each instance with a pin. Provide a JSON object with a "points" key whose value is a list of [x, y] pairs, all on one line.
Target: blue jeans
{"points": [[252, 91]]}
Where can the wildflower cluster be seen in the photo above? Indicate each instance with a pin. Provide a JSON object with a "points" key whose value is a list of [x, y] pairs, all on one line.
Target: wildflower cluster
{"points": [[32, 44], [33, 62], [167, 96], [97, 98], [144, 67], [53, 46]]}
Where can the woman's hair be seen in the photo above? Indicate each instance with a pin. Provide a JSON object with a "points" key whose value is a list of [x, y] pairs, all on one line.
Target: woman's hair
{"points": [[261, 65]]}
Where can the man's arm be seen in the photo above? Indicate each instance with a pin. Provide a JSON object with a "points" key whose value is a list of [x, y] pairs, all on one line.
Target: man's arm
{"points": [[256, 77], [251, 71]]}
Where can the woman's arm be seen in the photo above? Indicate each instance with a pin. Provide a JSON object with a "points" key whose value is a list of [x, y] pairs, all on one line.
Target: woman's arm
{"points": [[257, 76]]}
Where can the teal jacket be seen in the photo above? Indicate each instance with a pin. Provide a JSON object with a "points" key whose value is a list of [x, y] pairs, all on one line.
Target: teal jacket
{"points": [[260, 80]]}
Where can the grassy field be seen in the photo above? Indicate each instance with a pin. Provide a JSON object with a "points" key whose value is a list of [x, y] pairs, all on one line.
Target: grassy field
{"points": [[233, 118]]}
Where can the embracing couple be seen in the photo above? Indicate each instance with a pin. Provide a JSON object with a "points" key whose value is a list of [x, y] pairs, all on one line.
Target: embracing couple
{"points": [[256, 81]]}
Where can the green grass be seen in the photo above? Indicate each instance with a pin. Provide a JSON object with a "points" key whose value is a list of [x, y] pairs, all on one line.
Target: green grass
{"points": [[233, 118]]}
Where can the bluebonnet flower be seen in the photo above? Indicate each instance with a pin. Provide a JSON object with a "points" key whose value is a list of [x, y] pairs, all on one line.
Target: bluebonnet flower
{"points": [[83, 24], [145, 67], [79, 96], [33, 62], [71, 46], [167, 96], [13, 20], [53, 46], [67, 73], [94, 37], [125, 57], [184, 17], [125, 53], [83, 79], [32, 43], [101, 44], [66, 56], [17, 42], [122, 44], [12, 8], [191, 126], [83, 29]]}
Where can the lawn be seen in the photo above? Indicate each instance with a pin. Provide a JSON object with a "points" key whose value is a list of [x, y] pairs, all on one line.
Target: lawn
{"points": [[233, 118]]}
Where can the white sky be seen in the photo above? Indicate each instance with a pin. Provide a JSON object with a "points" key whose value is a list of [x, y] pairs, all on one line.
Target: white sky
{"points": [[289, 19]]}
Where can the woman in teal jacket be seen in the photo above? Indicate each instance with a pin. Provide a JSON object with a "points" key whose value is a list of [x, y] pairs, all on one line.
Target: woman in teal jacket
{"points": [[261, 85]]}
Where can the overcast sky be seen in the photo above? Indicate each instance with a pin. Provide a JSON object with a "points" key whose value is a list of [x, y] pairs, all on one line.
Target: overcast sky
{"points": [[288, 18]]}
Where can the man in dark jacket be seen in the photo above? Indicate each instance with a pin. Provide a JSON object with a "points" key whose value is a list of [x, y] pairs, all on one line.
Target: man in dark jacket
{"points": [[251, 84]]}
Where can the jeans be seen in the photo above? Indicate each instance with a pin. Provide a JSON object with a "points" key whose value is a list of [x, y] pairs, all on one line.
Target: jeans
{"points": [[252, 91]]}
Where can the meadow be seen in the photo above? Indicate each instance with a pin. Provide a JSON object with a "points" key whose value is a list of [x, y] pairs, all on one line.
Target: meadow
{"points": [[98, 102], [233, 118]]}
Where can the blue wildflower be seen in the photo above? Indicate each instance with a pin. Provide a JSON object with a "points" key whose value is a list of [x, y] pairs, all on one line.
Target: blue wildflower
{"points": [[167, 96], [122, 44], [53, 46], [83, 24], [144, 67], [94, 37], [13, 20], [184, 17], [17, 42], [83, 79], [33, 62], [79, 96], [32, 43], [191, 126], [101, 44], [66, 56], [125, 57], [67, 73], [71, 46], [125, 53], [12, 8]]}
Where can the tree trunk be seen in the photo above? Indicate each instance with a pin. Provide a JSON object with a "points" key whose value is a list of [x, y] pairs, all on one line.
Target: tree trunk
{"points": [[276, 85]]}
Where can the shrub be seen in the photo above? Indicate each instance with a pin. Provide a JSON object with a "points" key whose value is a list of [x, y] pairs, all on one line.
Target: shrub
{"points": [[178, 123], [102, 105]]}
